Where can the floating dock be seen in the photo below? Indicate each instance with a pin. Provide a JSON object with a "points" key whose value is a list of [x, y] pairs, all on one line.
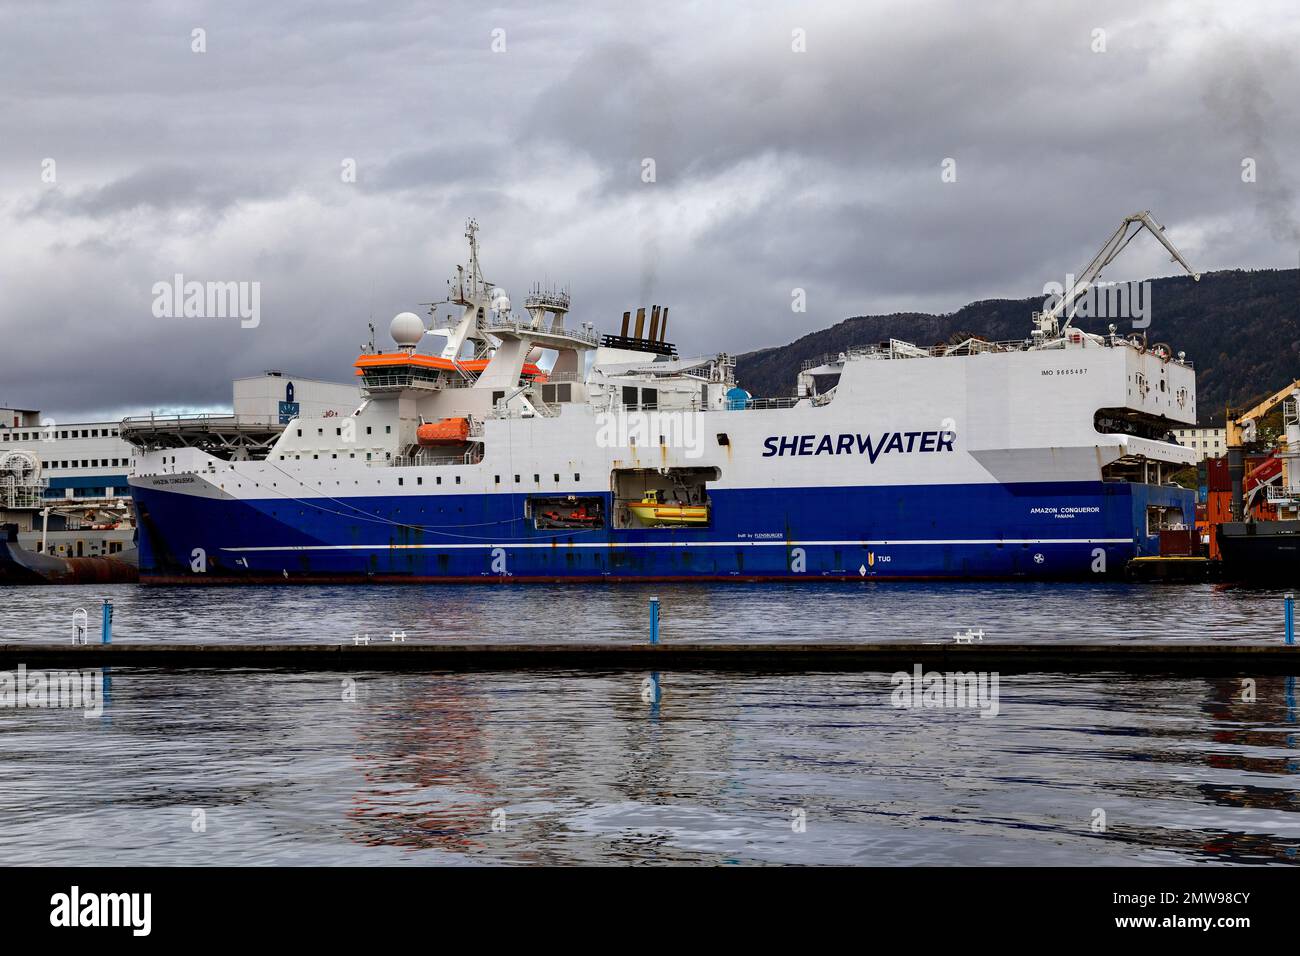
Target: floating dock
{"points": [[1174, 569], [1208, 659]]}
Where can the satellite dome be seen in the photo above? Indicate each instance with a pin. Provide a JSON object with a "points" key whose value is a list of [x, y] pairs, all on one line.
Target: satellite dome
{"points": [[407, 329]]}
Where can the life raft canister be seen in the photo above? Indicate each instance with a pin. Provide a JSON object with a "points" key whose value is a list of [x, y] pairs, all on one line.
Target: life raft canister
{"points": [[445, 431]]}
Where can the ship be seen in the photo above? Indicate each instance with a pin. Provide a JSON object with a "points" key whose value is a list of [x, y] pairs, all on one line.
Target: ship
{"points": [[66, 516], [520, 447], [1261, 545]]}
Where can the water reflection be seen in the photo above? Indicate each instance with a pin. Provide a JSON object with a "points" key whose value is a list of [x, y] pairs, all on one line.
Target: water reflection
{"points": [[596, 768], [593, 769]]}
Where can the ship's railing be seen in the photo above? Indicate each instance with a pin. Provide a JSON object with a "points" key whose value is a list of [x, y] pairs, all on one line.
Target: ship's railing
{"points": [[223, 436], [147, 422], [1279, 493], [896, 348], [758, 404], [789, 401], [525, 328], [751, 404], [547, 299], [22, 496], [379, 380], [471, 457]]}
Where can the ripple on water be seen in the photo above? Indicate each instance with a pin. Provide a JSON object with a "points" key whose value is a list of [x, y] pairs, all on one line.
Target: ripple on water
{"points": [[282, 768], [698, 612]]}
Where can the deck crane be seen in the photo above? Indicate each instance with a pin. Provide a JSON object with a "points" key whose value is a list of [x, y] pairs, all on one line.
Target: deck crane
{"points": [[1048, 323]]}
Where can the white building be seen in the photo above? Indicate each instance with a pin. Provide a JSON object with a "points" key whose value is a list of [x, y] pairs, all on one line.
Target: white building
{"points": [[280, 398], [81, 460], [1206, 442], [84, 465]]}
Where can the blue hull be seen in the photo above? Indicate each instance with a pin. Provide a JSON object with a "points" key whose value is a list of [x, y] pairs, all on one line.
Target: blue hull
{"points": [[1080, 530]]}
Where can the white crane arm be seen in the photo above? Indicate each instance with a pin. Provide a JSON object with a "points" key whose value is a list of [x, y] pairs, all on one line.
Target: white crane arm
{"points": [[1113, 246]]}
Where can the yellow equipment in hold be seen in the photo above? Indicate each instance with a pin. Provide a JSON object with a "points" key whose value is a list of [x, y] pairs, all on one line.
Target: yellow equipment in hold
{"points": [[651, 510]]}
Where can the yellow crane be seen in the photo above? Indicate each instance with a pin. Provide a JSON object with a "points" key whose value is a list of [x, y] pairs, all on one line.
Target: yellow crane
{"points": [[1240, 431]]}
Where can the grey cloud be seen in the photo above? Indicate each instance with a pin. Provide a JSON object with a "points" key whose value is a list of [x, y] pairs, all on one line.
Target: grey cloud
{"points": [[156, 188], [775, 170], [436, 167], [1239, 94]]}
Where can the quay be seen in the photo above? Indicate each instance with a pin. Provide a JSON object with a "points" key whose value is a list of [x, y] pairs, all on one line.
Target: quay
{"points": [[1171, 656]]}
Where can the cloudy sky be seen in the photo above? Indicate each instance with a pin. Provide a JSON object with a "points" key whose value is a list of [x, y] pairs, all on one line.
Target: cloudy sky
{"points": [[795, 145]]}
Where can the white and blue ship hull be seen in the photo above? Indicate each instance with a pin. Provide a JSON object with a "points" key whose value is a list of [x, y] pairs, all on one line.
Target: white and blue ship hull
{"points": [[1053, 530]]}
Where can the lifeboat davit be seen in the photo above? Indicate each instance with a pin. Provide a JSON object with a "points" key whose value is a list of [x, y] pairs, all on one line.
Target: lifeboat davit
{"points": [[445, 431], [653, 511]]}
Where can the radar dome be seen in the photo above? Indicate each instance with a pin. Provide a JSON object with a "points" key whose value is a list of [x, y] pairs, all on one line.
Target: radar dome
{"points": [[407, 329]]}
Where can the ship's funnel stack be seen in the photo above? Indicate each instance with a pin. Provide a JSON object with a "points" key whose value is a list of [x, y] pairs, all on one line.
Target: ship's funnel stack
{"points": [[643, 339]]}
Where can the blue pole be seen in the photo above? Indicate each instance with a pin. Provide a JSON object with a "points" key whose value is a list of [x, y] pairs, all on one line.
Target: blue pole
{"points": [[654, 620], [1289, 605], [106, 629]]}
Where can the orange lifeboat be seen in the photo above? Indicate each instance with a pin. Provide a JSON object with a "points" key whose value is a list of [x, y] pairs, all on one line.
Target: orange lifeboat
{"points": [[445, 431]]}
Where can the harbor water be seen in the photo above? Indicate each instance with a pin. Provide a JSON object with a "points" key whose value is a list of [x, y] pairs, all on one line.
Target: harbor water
{"points": [[249, 766]]}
